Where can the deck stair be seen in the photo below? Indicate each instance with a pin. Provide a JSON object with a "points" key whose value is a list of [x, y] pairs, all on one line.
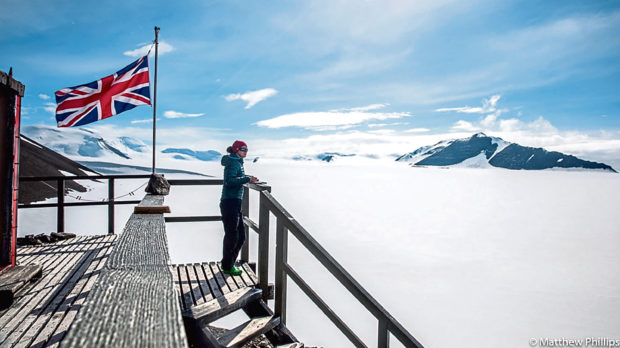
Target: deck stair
{"points": [[262, 321]]}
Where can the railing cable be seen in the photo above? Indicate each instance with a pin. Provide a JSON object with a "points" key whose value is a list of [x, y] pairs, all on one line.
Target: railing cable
{"points": [[79, 198]]}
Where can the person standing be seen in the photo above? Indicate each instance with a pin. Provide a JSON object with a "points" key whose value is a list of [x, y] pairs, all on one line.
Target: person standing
{"points": [[230, 204]]}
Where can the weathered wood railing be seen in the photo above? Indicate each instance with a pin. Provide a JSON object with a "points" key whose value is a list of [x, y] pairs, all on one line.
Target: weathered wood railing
{"points": [[285, 223], [134, 302], [60, 203]]}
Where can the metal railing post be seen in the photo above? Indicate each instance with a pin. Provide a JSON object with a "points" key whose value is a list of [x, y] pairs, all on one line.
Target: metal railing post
{"points": [[60, 210], [281, 277], [383, 335], [245, 211], [111, 206], [263, 247]]}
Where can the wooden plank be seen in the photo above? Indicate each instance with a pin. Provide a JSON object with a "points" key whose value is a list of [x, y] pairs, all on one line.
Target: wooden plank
{"points": [[15, 278], [177, 284], [202, 282], [151, 209], [42, 253], [133, 302], [68, 319], [250, 273], [217, 308], [194, 285], [49, 300], [26, 255], [245, 277], [27, 293], [185, 287], [245, 332], [216, 291], [45, 260], [227, 277], [239, 278], [53, 308], [219, 277], [16, 316], [54, 327]]}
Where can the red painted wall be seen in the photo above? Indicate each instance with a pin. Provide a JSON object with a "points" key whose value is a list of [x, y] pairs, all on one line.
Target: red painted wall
{"points": [[16, 141]]}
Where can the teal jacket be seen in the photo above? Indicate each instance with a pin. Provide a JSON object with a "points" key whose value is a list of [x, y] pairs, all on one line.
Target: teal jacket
{"points": [[234, 177]]}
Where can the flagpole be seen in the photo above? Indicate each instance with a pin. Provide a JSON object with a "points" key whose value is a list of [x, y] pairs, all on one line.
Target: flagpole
{"points": [[155, 95]]}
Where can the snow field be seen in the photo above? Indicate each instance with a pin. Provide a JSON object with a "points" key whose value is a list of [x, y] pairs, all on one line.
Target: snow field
{"points": [[474, 257]]}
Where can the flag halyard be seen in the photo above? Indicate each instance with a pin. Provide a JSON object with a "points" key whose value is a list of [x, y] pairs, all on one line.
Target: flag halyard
{"points": [[106, 97]]}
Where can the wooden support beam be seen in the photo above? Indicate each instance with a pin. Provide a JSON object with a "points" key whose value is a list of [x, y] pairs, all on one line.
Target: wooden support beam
{"points": [[281, 277], [263, 247]]}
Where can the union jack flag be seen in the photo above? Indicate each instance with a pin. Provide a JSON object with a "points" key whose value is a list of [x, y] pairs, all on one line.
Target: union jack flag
{"points": [[109, 96]]}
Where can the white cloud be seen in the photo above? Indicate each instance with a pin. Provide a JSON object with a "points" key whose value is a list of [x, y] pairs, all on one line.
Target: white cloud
{"points": [[488, 106], [417, 130], [253, 97], [461, 125], [368, 107], [382, 131], [176, 114], [489, 120], [146, 120], [163, 48], [376, 125], [329, 120], [44, 96], [50, 107]]}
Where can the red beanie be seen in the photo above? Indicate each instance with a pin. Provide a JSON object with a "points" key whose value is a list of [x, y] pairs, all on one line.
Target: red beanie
{"points": [[237, 145]]}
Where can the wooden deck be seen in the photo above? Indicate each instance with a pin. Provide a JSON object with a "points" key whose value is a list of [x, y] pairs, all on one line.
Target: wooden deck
{"points": [[44, 310], [202, 282]]}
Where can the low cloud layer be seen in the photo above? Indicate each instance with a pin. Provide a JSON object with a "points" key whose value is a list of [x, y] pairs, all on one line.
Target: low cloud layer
{"points": [[331, 120], [177, 114], [252, 97]]}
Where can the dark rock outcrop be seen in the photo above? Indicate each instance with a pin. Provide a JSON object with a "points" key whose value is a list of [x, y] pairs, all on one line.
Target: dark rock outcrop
{"points": [[498, 153], [460, 150]]}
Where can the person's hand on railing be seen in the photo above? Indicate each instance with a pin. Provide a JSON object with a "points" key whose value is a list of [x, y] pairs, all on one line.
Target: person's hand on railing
{"points": [[253, 179]]}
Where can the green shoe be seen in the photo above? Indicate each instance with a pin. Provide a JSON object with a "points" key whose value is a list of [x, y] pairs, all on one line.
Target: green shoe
{"points": [[233, 271]]}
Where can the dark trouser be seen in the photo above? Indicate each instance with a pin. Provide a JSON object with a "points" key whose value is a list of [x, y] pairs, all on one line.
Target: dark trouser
{"points": [[234, 231]]}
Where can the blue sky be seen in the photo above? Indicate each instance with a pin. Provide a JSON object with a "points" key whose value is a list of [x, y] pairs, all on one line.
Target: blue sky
{"points": [[381, 76]]}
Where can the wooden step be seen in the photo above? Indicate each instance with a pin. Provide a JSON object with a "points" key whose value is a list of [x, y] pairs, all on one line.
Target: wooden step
{"points": [[247, 331], [222, 306]]}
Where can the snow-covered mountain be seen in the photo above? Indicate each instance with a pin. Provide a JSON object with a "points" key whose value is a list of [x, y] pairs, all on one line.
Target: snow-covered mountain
{"points": [[38, 160], [481, 150], [324, 156], [83, 144], [187, 154]]}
